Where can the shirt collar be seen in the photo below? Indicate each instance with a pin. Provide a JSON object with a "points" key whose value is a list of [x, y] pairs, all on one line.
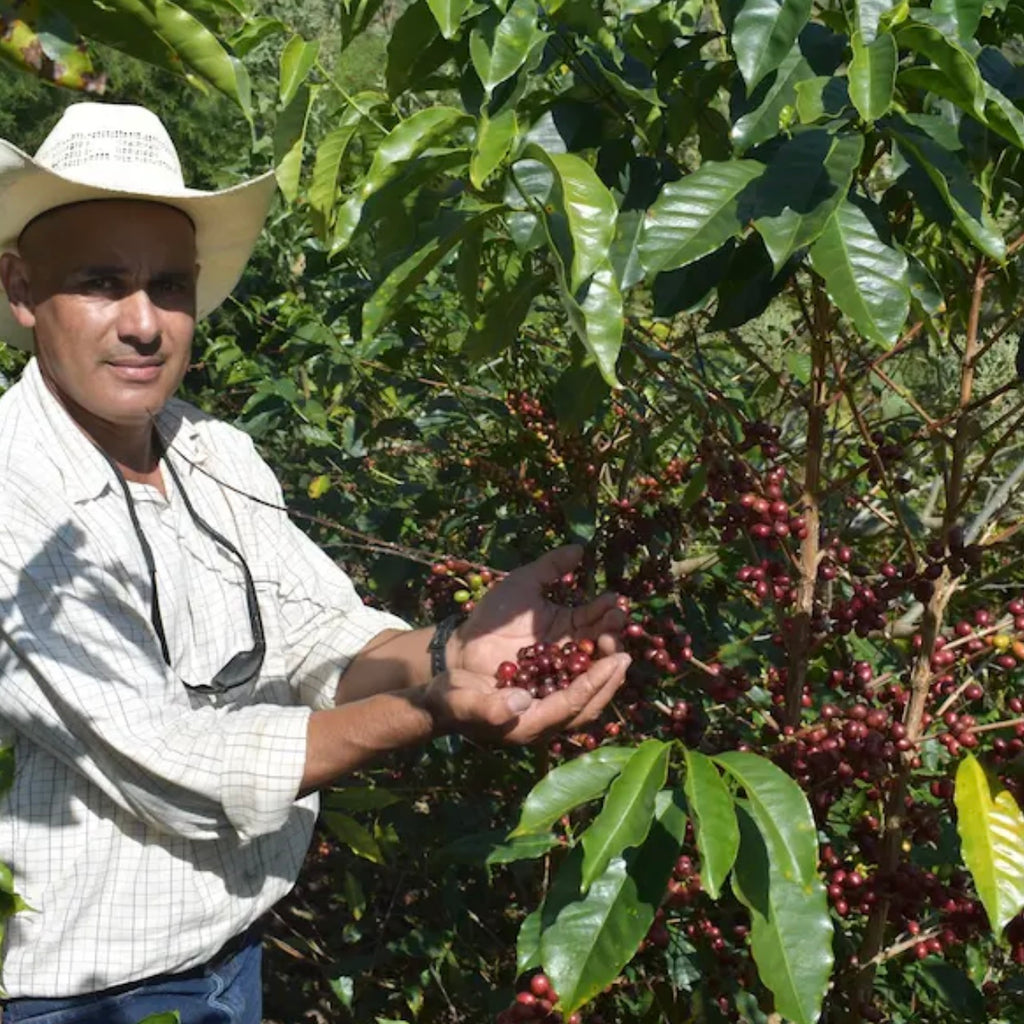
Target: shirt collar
{"points": [[85, 471]]}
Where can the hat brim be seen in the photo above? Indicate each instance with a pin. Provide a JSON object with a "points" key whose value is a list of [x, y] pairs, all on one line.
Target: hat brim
{"points": [[227, 224]]}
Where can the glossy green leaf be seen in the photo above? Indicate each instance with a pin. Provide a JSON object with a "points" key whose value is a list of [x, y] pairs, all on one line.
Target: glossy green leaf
{"points": [[165, 34], [585, 942], [448, 15], [873, 75], [484, 849], [964, 14], [807, 179], [254, 32], [791, 930], [865, 278], [566, 787], [355, 836], [696, 215], [763, 34], [448, 231], [494, 140], [405, 142], [415, 50], [952, 178], [327, 164], [625, 252], [166, 1017], [625, 818], [297, 60], [782, 813], [821, 97], [868, 15], [714, 821], [991, 828], [515, 38], [762, 123], [955, 75], [589, 208], [1003, 116], [596, 314], [289, 139]]}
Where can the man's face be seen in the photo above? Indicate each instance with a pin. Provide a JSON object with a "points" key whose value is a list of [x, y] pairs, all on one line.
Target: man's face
{"points": [[109, 289]]}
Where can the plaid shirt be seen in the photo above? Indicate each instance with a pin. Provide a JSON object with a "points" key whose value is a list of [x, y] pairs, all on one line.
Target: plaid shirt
{"points": [[148, 823]]}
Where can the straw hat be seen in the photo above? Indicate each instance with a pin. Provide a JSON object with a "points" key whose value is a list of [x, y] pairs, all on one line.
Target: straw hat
{"points": [[110, 151]]}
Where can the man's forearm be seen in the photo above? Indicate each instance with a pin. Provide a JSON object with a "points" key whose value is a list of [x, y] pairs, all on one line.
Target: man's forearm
{"points": [[393, 660], [342, 739]]}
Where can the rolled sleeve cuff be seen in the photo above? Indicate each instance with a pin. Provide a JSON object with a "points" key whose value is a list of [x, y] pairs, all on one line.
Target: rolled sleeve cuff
{"points": [[263, 767], [319, 684]]}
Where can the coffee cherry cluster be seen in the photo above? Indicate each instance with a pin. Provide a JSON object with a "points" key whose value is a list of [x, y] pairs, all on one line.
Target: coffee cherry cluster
{"points": [[454, 585], [535, 1002], [541, 669]]}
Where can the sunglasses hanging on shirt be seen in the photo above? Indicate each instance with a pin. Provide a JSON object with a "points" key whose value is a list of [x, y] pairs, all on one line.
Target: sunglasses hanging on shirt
{"points": [[244, 667]]}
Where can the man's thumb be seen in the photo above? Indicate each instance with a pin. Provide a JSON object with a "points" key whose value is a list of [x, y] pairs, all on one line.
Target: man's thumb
{"points": [[517, 699]]}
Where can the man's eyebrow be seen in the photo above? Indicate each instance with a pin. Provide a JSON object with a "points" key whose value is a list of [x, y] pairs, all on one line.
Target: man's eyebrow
{"points": [[99, 270]]}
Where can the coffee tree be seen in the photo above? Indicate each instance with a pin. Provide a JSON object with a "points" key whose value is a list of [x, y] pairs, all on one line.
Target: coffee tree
{"points": [[729, 294]]}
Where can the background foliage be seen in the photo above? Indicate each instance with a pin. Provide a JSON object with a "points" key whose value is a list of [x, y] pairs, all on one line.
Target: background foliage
{"points": [[727, 292]]}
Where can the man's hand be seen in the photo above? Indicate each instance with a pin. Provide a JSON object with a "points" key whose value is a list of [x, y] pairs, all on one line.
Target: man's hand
{"points": [[469, 703], [515, 614]]}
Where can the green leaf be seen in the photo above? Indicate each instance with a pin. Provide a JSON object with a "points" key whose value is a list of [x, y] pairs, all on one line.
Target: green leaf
{"points": [[869, 13], [165, 34], [955, 75], [991, 828], [873, 75], [782, 812], [585, 943], [953, 989], [596, 315], [965, 14], [404, 143], [448, 15], [494, 140], [504, 316], [289, 138], [297, 60], [166, 1017], [806, 181], [865, 278], [628, 808], [763, 34], [6, 769], [515, 38], [821, 97], [950, 175], [589, 208], [489, 848], [791, 931], [566, 787], [359, 798], [327, 162], [714, 821], [444, 235], [695, 215], [357, 838], [254, 32], [762, 123]]}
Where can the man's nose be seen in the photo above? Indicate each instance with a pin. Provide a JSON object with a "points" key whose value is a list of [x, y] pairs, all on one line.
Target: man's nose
{"points": [[137, 318]]}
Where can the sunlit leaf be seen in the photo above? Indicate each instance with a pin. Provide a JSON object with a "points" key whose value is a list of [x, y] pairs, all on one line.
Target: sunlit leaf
{"points": [[714, 821], [991, 828], [763, 34]]}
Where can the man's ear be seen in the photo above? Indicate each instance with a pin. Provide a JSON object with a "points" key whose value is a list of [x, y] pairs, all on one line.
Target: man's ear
{"points": [[14, 277]]}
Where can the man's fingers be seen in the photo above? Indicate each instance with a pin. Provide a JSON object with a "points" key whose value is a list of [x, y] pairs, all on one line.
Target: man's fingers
{"points": [[582, 700], [557, 562]]}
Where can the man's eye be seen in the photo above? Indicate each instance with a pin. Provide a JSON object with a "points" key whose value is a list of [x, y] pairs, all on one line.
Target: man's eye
{"points": [[100, 284]]}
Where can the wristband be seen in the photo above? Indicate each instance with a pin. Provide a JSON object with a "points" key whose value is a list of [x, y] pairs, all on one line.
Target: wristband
{"points": [[439, 642]]}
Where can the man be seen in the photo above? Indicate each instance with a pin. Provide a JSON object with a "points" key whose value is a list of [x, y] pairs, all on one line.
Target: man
{"points": [[180, 667]]}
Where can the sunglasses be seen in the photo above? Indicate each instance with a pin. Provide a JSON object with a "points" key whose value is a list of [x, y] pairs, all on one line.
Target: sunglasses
{"points": [[243, 667]]}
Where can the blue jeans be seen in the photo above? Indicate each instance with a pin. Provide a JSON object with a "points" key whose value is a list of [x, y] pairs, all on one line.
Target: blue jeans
{"points": [[226, 991]]}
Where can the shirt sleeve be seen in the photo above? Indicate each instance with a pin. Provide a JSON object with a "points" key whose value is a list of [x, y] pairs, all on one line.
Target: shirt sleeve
{"points": [[325, 622], [83, 679]]}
